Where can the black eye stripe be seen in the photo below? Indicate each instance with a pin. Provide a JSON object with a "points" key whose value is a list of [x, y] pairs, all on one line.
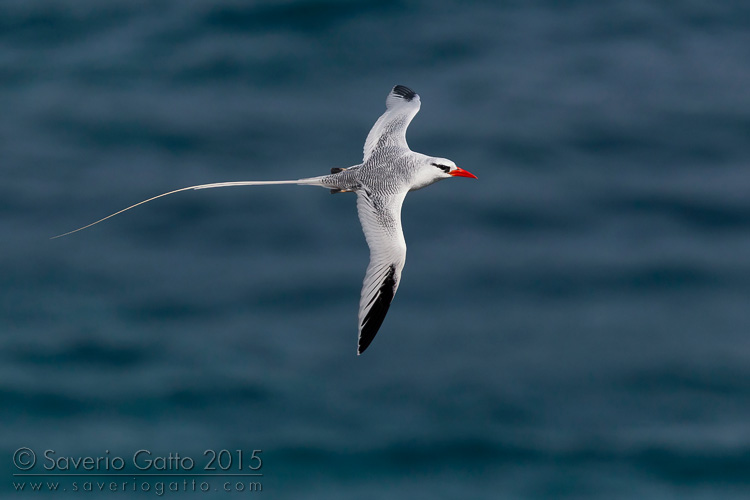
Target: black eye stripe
{"points": [[444, 168]]}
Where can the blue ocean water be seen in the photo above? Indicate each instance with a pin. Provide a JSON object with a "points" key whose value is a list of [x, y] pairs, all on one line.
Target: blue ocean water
{"points": [[573, 324]]}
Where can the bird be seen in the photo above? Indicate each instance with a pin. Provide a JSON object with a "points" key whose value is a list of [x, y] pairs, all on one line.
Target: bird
{"points": [[388, 171]]}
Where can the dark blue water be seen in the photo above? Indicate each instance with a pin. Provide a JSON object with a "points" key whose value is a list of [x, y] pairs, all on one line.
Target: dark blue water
{"points": [[574, 324]]}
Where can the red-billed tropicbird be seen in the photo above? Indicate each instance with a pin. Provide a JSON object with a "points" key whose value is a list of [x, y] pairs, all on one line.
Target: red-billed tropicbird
{"points": [[389, 170]]}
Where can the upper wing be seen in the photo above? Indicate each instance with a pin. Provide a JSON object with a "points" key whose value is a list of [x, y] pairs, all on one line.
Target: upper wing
{"points": [[381, 221], [390, 130]]}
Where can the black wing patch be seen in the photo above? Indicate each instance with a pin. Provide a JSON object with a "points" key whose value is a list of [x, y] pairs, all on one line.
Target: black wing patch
{"points": [[405, 92], [376, 314]]}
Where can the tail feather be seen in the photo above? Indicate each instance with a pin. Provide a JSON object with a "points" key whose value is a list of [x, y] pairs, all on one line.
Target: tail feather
{"points": [[310, 181]]}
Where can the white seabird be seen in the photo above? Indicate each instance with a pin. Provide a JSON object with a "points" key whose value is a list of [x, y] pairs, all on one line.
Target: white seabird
{"points": [[389, 170]]}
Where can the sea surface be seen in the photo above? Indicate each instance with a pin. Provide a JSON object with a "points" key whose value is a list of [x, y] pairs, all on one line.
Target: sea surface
{"points": [[574, 324]]}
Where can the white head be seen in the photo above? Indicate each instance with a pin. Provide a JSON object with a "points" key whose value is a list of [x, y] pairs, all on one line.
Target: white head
{"points": [[433, 169]]}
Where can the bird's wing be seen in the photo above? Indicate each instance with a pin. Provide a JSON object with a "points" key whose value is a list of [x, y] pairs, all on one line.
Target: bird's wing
{"points": [[381, 222], [390, 130]]}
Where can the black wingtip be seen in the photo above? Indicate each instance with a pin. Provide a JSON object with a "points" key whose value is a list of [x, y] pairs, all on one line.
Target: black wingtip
{"points": [[376, 314], [405, 92]]}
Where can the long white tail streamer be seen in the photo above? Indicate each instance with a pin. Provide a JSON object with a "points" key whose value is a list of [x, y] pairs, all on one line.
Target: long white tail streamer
{"points": [[311, 181]]}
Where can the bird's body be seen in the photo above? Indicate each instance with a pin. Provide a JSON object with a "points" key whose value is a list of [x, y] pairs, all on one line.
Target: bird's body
{"points": [[389, 170]]}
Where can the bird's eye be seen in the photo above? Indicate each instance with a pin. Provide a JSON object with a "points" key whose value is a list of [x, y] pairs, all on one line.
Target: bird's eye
{"points": [[444, 168]]}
